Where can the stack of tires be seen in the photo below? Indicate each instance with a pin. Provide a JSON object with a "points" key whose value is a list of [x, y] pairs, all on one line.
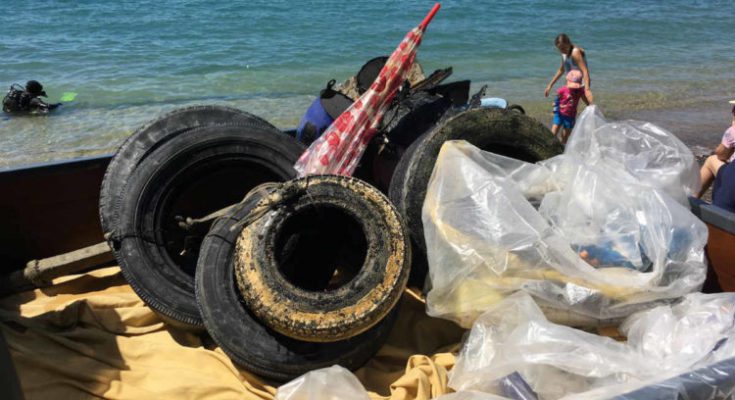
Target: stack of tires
{"points": [[296, 274]]}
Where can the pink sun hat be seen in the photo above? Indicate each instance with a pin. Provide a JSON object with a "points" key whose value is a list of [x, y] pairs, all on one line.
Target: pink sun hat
{"points": [[574, 79]]}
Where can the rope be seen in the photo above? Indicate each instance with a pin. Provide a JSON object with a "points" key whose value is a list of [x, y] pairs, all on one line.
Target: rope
{"points": [[272, 195], [263, 189]]}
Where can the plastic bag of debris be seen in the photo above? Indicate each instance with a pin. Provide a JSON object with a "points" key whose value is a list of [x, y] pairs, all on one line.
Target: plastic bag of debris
{"points": [[600, 230], [333, 383], [555, 361]]}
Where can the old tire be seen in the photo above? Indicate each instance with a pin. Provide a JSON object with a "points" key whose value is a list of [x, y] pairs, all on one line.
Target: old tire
{"points": [[499, 131], [151, 136], [329, 264], [192, 175], [244, 338], [517, 108]]}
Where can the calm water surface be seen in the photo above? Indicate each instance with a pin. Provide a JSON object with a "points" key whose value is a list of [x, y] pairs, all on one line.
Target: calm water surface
{"points": [[129, 61]]}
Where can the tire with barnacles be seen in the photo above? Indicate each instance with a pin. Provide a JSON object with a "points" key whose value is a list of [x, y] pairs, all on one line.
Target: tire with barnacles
{"points": [[243, 336], [328, 263]]}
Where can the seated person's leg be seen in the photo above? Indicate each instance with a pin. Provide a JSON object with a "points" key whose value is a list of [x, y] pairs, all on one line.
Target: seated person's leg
{"points": [[723, 191], [708, 172]]}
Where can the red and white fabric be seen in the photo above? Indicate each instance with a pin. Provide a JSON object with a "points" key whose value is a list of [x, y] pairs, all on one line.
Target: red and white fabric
{"points": [[339, 149]]}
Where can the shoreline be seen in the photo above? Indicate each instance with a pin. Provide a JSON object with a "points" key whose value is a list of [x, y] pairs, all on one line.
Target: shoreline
{"points": [[700, 127]]}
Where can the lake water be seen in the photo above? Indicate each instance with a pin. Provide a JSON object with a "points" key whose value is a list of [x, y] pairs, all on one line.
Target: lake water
{"points": [[670, 62]]}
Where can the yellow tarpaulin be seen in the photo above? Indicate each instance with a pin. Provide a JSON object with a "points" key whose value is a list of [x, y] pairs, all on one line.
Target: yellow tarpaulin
{"points": [[90, 336]]}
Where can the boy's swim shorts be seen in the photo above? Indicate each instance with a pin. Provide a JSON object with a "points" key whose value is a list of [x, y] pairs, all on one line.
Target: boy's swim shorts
{"points": [[564, 121]]}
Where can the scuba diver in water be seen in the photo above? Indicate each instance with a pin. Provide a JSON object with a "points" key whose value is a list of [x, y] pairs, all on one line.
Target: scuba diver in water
{"points": [[27, 100]]}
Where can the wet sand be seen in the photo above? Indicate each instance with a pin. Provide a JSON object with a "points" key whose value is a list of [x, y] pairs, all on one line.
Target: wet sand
{"points": [[700, 127]]}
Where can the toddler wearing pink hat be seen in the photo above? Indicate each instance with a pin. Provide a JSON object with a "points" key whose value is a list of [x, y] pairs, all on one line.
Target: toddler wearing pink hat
{"points": [[565, 105]]}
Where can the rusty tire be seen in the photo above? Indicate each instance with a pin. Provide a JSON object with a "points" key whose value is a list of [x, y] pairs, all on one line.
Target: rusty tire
{"points": [[328, 264], [244, 338]]}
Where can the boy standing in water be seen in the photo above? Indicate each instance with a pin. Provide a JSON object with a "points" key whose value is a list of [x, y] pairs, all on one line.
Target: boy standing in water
{"points": [[565, 105]]}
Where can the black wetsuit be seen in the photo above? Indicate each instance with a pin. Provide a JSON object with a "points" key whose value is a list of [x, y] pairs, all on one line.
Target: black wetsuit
{"points": [[23, 102]]}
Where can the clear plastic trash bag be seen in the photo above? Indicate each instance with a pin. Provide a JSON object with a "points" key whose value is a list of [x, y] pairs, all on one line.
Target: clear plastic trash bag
{"points": [[649, 153], [714, 382], [557, 361], [495, 225], [471, 395], [333, 383]]}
